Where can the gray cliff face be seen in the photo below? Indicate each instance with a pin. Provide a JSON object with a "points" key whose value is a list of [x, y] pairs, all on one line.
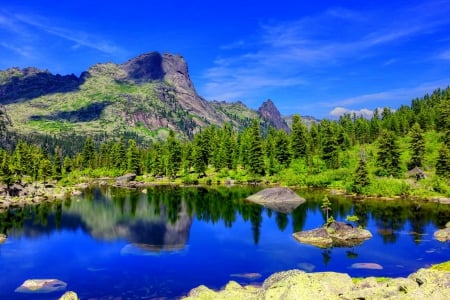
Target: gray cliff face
{"points": [[269, 111]]}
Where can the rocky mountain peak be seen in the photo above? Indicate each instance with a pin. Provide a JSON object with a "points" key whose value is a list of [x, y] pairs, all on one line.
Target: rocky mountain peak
{"points": [[269, 111], [154, 66]]}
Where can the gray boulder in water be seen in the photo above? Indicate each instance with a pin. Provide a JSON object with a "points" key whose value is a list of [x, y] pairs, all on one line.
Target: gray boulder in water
{"points": [[279, 199]]}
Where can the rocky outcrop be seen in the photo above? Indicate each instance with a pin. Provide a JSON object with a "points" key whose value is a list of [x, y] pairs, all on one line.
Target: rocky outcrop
{"points": [[336, 234], [278, 199], [2, 238], [269, 112], [23, 84], [295, 284]]}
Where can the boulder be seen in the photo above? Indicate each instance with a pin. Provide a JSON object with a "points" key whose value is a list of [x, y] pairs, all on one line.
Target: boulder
{"points": [[442, 235], [2, 238], [41, 286], [279, 199], [336, 234], [69, 295], [125, 179]]}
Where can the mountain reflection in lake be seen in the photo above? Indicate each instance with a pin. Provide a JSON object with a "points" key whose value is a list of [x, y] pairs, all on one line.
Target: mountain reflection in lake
{"points": [[129, 244]]}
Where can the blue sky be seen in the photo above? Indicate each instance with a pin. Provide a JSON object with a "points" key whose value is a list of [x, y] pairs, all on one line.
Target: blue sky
{"points": [[318, 59]]}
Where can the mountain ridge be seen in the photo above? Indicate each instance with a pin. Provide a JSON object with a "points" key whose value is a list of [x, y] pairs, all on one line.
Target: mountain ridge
{"points": [[149, 95]]}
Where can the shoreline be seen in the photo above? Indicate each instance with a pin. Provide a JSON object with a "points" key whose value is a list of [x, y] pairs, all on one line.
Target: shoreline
{"points": [[49, 192]]}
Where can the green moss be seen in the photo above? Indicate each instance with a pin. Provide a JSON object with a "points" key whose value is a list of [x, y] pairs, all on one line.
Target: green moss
{"points": [[445, 266]]}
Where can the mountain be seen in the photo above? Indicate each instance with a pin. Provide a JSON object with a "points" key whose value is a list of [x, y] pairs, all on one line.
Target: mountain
{"points": [[269, 112], [148, 95]]}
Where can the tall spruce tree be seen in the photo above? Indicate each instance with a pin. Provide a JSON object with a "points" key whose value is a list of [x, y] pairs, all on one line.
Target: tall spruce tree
{"points": [[299, 142], [388, 155], [256, 155], [361, 176], [330, 146], [417, 146], [174, 154], [88, 154], [443, 162], [133, 158]]}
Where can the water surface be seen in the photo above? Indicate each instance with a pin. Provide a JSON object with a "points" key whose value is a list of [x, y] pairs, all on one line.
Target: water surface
{"points": [[119, 244]]}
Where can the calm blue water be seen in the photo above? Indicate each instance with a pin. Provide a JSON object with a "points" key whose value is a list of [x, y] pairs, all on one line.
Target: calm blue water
{"points": [[116, 244]]}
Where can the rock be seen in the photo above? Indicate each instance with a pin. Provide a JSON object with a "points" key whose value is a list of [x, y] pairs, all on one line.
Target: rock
{"points": [[295, 284], [41, 286], [2, 238], [443, 235], [269, 111], [337, 234], [125, 179], [69, 295], [369, 266], [280, 199], [250, 276]]}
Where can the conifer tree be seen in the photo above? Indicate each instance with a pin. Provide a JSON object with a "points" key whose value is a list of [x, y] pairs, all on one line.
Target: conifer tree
{"points": [[88, 154], [199, 153], [443, 162], [361, 176], [417, 146], [133, 158], [256, 155], [330, 146], [299, 144], [282, 153], [174, 154], [388, 156]]}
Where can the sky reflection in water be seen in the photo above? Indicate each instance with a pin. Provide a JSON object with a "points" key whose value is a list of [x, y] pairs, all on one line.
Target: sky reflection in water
{"points": [[128, 244]]}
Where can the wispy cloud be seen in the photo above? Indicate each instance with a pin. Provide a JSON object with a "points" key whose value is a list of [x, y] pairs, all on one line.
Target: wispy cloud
{"points": [[288, 54], [26, 28]]}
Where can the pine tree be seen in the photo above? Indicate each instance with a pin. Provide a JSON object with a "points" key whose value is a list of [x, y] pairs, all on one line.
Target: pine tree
{"points": [[443, 162], [282, 153], [417, 146], [361, 176], [133, 158], [330, 146], [88, 154], [256, 155], [388, 156], [299, 144], [174, 154], [199, 155]]}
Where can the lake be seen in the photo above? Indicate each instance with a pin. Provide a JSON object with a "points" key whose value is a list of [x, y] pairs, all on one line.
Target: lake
{"points": [[112, 243]]}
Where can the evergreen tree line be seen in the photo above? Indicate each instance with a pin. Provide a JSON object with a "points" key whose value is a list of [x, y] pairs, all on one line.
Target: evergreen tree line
{"points": [[322, 146]]}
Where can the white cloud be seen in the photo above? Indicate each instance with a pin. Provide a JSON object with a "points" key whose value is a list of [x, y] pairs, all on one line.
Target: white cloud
{"points": [[339, 111]]}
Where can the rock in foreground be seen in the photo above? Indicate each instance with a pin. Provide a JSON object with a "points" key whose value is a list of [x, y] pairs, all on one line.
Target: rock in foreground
{"points": [[336, 234], [295, 284], [41, 286], [279, 199]]}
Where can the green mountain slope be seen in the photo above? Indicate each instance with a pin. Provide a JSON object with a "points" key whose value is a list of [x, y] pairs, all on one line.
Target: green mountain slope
{"points": [[147, 95]]}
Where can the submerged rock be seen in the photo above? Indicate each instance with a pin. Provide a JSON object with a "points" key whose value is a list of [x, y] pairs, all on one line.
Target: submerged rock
{"points": [[250, 276], [443, 235], [368, 266], [279, 199], [2, 238], [295, 284], [41, 286], [336, 234]]}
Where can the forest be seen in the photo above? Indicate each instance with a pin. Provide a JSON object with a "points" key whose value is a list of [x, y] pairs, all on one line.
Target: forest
{"points": [[402, 152]]}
